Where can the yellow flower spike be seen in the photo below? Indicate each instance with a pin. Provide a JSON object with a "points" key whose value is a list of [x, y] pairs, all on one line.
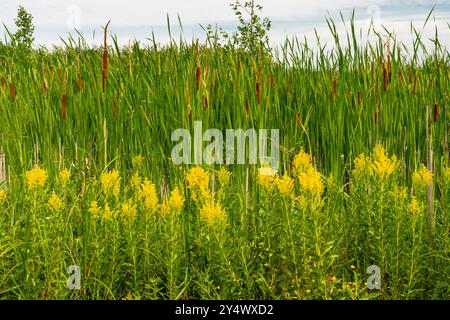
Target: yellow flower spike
{"points": [[147, 193], [174, 203], [422, 178], [311, 182], [129, 209], [302, 161], [64, 176], [362, 166], [55, 202], [111, 182], [382, 166], [198, 181], [94, 209], [136, 180], [107, 212], [266, 177], [213, 213], [285, 185], [415, 207], [224, 176], [2, 196], [36, 178]]}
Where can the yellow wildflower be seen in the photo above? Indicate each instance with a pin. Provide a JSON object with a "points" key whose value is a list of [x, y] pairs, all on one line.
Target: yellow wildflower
{"points": [[382, 166], [2, 196], [224, 176], [198, 180], [399, 193], [285, 185], [64, 176], [415, 207], [107, 212], [136, 180], [362, 166], [174, 203], [94, 209], [422, 178], [311, 182], [302, 161], [111, 182], [36, 178], [148, 194], [266, 177], [213, 213], [55, 202], [129, 209]]}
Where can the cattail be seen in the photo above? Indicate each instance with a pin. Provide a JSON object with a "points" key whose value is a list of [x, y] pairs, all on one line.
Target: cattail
{"points": [[435, 112], [205, 102], [44, 86], [198, 74], [80, 82], [415, 85], [359, 98], [258, 92], [3, 85], [384, 78], [63, 106], [105, 57], [271, 80], [289, 86], [13, 92], [114, 106], [334, 89], [297, 118], [402, 78]]}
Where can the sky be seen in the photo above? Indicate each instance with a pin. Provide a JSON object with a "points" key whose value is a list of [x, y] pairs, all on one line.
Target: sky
{"points": [[137, 19]]}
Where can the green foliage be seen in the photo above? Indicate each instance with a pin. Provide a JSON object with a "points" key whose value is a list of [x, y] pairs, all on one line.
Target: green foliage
{"points": [[252, 31], [24, 34]]}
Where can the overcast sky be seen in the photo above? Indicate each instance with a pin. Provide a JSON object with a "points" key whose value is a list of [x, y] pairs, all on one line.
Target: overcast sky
{"points": [[138, 18]]}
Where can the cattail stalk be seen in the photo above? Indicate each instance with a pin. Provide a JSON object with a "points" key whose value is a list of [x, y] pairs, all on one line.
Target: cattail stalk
{"points": [[63, 106], [105, 57]]}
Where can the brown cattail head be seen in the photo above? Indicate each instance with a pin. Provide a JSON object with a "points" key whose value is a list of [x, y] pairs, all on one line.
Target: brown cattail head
{"points": [[435, 112], [45, 86], [297, 118], [63, 106], [105, 57], [359, 98], [289, 86], [3, 85], [198, 74], [205, 102], [271, 80], [114, 106], [258, 92], [12, 91], [384, 79]]}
